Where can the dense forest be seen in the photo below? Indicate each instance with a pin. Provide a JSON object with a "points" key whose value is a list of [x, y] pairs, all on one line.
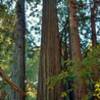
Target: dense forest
{"points": [[49, 49]]}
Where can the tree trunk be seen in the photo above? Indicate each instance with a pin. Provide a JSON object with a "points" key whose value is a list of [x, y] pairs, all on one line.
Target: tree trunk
{"points": [[18, 74], [93, 28], [95, 69], [80, 85], [50, 52]]}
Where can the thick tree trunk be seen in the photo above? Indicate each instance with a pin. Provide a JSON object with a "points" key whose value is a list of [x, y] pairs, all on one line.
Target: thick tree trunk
{"points": [[80, 85], [18, 74], [50, 52], [93, 28]]}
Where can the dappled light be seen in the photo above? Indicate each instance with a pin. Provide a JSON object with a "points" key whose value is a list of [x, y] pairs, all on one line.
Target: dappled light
{"points": [[49, 49]]}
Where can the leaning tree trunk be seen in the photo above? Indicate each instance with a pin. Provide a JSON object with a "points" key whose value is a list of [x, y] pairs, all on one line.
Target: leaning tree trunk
{"points": [[80, 85], [18, 74], [50, 52]]}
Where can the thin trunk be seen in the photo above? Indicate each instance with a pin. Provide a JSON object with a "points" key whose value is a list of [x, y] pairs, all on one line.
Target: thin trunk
{"points": [[94, 39], [65, 85], [50, 52], [93, 28], [18, 74], [80, 85]]}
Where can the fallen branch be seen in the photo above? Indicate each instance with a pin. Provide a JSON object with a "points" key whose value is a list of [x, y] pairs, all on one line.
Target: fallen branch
{"points": [[11, 83]]}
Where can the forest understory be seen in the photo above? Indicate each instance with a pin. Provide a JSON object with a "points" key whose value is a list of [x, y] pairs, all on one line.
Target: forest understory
{"points": [[49, 49]]}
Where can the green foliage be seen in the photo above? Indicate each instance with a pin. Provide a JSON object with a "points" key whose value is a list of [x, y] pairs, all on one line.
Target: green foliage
{"points": [[86, 71], [92, 59], [6, 49], [7, 26], [7, 19], [32, 65], [31, 91], [64, 94], [97, 89], [52, 81]]}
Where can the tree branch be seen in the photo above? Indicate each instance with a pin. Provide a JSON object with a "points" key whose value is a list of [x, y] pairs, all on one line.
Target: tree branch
{"points": [[11, 83]]}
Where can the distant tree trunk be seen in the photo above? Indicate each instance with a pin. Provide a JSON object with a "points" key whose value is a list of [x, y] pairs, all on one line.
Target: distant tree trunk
{"points": [[66, 54], [94, 38], [18, 74], [80, 86], [93, 28], [50, 52]]}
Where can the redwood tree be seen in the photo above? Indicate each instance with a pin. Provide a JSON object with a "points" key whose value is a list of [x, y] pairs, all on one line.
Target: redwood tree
{"points": [[50, 52], [80, 85], [93, 28], [18, 74]]}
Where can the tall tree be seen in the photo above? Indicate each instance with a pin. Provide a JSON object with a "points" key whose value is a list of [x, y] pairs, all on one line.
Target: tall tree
{"points": [[80, 87], [50, 52], [93, 28], [18, 74]]}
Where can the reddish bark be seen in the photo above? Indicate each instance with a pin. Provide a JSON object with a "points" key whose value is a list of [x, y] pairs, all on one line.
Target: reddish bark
{"points": [[50, 52], [80, 85]]}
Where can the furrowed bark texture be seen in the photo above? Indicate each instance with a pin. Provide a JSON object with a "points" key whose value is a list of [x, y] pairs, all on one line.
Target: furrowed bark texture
{"points": [[50, 52], [80, 85]]}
